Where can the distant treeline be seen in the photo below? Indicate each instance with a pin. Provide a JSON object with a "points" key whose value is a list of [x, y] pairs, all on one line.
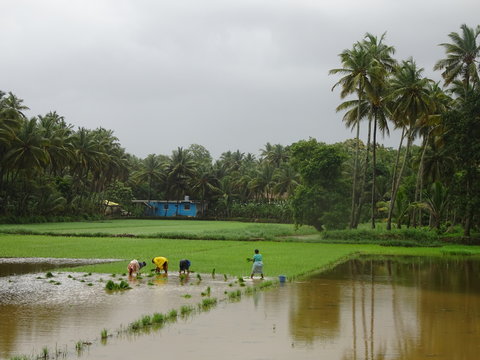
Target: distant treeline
{"points": [[50, 170]]}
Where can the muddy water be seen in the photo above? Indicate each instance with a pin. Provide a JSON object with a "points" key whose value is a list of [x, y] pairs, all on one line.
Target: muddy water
{"points": [[16, 266], [364, 309]]}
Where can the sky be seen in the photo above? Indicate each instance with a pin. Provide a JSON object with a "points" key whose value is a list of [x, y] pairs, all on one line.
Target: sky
{"points": [[225, 74]]}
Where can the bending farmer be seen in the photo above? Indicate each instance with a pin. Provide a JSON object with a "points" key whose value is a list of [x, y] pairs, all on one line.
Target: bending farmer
{"points": [[185, 266], [135, 266], [160, 263]]}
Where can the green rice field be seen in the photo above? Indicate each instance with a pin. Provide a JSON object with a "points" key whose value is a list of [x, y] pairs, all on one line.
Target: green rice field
{"points": [[225, 256]]}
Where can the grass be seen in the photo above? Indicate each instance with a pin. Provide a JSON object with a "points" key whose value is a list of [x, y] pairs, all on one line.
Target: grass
{"points": [[164, 228], [290, 258]]}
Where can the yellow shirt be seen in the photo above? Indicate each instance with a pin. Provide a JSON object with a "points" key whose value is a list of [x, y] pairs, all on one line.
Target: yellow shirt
{"points": [[159, 261]]}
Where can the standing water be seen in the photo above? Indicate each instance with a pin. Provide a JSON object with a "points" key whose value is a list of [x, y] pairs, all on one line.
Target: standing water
{"points": [[402, 308]]}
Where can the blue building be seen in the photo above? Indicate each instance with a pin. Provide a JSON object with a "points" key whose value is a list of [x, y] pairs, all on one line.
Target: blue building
{"points": [[171, 208]]}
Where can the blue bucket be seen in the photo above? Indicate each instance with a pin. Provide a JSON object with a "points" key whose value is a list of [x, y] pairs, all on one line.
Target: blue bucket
{"points": [[282, 278]]}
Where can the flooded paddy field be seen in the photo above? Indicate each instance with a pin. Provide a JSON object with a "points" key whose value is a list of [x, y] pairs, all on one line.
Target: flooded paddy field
{"points": [[393, 308], [58, 309]]}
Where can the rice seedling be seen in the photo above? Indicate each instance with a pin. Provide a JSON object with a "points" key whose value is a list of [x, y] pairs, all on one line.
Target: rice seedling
{"points": [[208, 303], [89, 284], [185, 310], [48, 275], [172, 315], [39, 277], [199, 277], [136, 325], [57, 283], [146, 320], [225, 277], [44, 353], [122, 285], [235, 295], [240, 279], [158, 318], [70, 276], [150, 283], [139, 277], [187, 296], [213, 273], [242, 284], [79, 346], [266, 284], [104, 334]]}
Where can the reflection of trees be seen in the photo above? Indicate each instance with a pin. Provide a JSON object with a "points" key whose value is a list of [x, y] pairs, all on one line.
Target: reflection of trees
{"points": [[434, 306], [314, 311]]}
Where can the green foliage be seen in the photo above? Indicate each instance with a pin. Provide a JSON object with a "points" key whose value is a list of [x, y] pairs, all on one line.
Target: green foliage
{"points": [[122, 285], [321, 201]]}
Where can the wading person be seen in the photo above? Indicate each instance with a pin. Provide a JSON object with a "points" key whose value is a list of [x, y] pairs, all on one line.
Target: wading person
{"points": [[185, 266], [257, 267], [135, 266], [160, 263]]}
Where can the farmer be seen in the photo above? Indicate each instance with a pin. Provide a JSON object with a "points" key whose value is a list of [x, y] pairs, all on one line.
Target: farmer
{"points": [[185, 266], [135, 266], [257, 267], [160, 263]]}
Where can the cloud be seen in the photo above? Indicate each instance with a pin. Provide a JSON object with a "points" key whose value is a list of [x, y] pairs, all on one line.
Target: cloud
{"points": [[225, 74]]}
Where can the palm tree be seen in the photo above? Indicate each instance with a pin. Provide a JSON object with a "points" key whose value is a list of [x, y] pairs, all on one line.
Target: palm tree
{"points": [[276, 154], [356, 67], [59, 134], [382, 65], [27, 150], [409, 93], [285, 179], [180, 171], [436, 202], [462, 57], [150, 172], [205, 184]]}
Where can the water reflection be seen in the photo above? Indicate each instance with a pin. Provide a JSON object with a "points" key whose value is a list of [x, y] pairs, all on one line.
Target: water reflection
{"points": [[409, 308], [366, 309]]}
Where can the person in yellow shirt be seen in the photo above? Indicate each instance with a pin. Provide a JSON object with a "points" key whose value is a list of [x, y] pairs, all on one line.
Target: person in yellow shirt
{"points": [[160, 263]]}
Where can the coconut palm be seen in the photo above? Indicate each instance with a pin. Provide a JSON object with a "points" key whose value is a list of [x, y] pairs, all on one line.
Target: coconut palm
{"points": [[276, 154], [151, 171], [462, 57], [180, 170], [356, 68], [382, 65], [205, 184], [410, 95]]}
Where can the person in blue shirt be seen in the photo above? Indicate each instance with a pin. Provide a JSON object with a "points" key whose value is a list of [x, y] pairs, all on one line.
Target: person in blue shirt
{"points": [[257, 267], [185, 266]]}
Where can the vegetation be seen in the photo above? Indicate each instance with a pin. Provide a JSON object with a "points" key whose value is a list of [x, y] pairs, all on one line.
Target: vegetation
{"points": [[51, 171]]}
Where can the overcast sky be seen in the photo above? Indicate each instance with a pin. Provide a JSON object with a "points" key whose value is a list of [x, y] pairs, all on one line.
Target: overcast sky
{"points": [[225, 74]]}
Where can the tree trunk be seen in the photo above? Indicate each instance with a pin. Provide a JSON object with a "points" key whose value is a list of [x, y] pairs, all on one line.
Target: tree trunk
{"points": [[393, 193], [355, 171], [399, 179], [374, 159], [419, 183], [364, 177]]}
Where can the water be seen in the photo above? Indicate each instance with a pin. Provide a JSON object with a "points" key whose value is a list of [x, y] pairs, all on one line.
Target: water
{"points": [[415, 308]]}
